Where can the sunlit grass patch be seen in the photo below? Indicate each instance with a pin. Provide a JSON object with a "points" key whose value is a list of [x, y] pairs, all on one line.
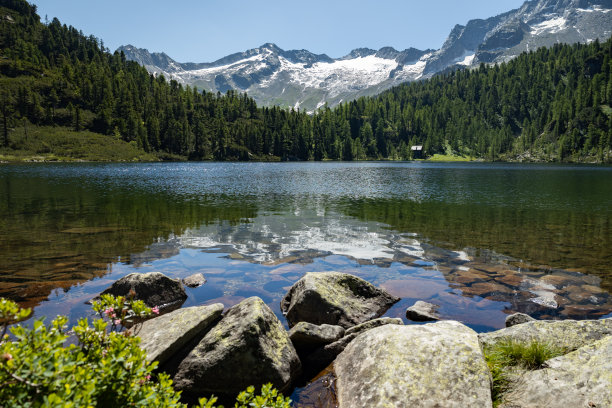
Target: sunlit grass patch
{"points": [[506, 356]]}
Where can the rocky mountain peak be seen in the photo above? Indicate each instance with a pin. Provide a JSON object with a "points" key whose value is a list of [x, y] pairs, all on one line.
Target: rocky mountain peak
{"points": [[302, 79]]}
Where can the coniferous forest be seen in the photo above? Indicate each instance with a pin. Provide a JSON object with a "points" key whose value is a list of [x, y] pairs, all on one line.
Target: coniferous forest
{"points": [[548, 105]]}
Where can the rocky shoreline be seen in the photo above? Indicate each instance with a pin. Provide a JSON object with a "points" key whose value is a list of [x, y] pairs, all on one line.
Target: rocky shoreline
{"points": [[334, 321]]}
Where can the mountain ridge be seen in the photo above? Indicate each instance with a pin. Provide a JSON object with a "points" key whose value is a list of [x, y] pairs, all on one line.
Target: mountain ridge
{"points": [[304, 80]]}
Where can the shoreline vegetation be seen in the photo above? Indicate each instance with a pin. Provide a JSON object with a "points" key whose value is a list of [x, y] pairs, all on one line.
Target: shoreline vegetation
{"points": [[64, 96], [47, 144]]}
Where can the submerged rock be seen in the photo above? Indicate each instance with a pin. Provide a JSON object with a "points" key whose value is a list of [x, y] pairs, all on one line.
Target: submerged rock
{"points": [[249, 346], [423, 312], [566, 334], [518, 318], [582, 378], [153, 288], [194, 281], [432, 365], [165, 335], [308, 336], [334, 298]]}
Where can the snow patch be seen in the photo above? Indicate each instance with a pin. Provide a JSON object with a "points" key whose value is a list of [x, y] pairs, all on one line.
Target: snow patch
{"points": [[467, 60], [594, 9], [414, 71], [553, 25]]}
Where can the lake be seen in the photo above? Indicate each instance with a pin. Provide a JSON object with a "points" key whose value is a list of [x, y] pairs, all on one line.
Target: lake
{"points": [[481, 240]]}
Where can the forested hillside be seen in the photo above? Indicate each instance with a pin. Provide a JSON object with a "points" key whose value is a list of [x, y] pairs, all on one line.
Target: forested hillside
{"points": [[552, 104]]}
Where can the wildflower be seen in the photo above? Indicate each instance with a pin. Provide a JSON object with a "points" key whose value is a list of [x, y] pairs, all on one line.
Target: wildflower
{"points": [[117, 322], [155, 310]]}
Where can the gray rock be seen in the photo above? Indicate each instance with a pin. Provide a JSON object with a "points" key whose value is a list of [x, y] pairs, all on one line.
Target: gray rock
{"points": [[323, 356], [567, 334], [518, 318], [306, 335], [153, 288], [334, 298], [165, 335], [194, 281], [249, 346], [423, 312], [374, 323], [433, 365], [582, 378]]}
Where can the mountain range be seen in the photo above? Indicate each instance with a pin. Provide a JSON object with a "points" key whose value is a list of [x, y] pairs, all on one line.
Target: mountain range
{"points": [[307, 81]]}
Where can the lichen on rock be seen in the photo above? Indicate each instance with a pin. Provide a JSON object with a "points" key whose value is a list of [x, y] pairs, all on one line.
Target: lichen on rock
{"points": [[566, 334], [432, 365], [249, 346], [153, 288], [334, 298], [582, 378]]}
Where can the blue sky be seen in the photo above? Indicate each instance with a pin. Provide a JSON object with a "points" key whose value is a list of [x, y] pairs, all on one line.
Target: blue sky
{"points": [[205, 30]]}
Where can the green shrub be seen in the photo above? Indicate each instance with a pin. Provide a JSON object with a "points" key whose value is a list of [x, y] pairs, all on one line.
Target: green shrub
{"points": [[269, 398], [105, 368], [505, 355]]}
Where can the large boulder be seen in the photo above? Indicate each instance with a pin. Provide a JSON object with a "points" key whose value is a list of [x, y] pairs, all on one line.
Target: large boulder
{"points": [[334, 298], [582, 378], [433, 365], [249, 346], [565, 334], [165, 335], [153, 288]]}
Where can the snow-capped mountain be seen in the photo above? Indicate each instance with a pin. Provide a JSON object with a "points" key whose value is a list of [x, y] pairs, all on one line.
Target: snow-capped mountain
{"points": [[301, 79]]}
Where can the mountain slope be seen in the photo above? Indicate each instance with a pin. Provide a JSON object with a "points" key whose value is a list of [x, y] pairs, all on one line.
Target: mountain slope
{"points": [[301, 79], [296, 78]]}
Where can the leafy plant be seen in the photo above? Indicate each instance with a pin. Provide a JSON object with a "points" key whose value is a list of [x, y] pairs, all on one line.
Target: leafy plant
{"points": [[105, 367], [269, 398], [122, 312], [503, 356]]}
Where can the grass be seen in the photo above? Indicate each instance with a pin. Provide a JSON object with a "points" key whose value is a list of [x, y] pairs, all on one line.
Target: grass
{"points": [[46, 143], [449, 158], [504, 357]]}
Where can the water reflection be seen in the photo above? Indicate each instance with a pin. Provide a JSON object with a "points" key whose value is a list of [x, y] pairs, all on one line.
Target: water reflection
{"points": [[480, 240]]}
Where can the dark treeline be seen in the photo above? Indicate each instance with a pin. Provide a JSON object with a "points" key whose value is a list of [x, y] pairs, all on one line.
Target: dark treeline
{"points": [[552, 104]]}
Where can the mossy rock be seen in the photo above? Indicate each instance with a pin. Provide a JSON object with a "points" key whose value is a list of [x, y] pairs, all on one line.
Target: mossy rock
{"points": [[166, 335], [249, 346], [153, 288], [582, 378], [334, 298], [565, 334], [432, 365]]}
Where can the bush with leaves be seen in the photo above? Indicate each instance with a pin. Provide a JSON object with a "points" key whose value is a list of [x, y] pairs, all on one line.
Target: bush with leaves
{"points": [[105, 368]]}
